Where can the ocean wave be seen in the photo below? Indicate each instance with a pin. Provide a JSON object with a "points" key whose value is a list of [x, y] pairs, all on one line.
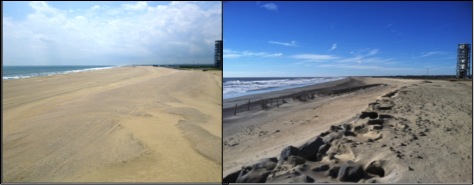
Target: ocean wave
{"points": [[11, 77], [88, 69], [240, 87]]}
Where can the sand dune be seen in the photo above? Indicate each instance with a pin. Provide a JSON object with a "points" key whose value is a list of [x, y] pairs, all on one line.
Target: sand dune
{"points": [[406, 131], [114, 125]]}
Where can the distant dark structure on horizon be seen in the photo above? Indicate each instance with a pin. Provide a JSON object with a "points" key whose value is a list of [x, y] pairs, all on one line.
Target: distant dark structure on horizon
{"points": [[218, 54], [463, 68]]}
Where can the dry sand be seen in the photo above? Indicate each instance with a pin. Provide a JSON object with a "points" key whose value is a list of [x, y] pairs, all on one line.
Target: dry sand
{"points": [[419, 131], [127, 124]]}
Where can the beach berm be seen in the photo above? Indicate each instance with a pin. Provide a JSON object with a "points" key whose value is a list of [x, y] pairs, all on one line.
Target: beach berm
{"points": [[359, 129]]}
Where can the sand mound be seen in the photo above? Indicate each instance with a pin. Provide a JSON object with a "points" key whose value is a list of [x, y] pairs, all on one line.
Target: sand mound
{"points": [[202, 141], [416, 132]]}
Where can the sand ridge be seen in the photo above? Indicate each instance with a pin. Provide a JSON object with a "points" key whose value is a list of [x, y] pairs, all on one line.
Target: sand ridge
{"points": [[404, 132], [114, 125]]}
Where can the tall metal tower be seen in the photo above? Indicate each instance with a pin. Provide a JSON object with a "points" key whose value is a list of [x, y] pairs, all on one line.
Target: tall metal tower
{"points": [[463, 68], [218, 54]]}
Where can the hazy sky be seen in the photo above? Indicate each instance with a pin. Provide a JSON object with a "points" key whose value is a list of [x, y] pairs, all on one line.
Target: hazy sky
{"points": [[110, 33], [343, 38]]}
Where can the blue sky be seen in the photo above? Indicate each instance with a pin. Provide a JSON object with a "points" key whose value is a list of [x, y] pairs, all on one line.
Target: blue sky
{"points": [[293, 39], [110, 33]]}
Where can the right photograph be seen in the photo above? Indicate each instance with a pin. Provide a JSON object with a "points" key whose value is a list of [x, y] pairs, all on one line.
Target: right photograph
{"points": [[337, 92]]}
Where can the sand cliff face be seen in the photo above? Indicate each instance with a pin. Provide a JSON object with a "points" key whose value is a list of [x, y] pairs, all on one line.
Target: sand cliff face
{"points": [[406, 132], [116, 125]]}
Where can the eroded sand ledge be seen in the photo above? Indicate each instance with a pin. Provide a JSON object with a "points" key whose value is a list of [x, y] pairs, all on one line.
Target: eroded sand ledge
{"points": [[408, 131], [114, 125]]}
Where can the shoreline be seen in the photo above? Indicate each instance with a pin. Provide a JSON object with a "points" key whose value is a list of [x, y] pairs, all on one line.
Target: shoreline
{"points": [[53, 73], [327, 88], [274, 94], [321, 80]]}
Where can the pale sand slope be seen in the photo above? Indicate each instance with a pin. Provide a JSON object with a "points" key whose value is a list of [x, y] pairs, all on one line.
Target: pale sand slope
{"points": [[442, 110], [127, 124]]}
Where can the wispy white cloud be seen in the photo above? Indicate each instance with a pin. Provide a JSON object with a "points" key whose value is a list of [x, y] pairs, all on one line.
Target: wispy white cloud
{"points": [[375, 67], [141, 5], [360, 55], [388, 25], [314, 57], [364, 59], [365, 52], [356, 59], [431, 53], [270, 6], [238, 54], [128, 33], [338, 65], [373, 52], [333, 47], [291, 44], [254, 73]]}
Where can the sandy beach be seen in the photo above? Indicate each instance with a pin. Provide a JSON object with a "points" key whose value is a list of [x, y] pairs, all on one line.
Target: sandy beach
{"points": [[386, 131], [126, 124]]}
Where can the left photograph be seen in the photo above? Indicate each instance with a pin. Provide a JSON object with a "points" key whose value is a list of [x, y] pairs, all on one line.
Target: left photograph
{"points": [[112, 92]]}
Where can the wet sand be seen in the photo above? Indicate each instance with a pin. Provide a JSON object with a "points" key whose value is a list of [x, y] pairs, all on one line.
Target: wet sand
{"points": [[127, 124], [406, 131]]}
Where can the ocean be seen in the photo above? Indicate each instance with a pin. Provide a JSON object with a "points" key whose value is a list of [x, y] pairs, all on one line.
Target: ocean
{"points": [[236, 87], [16, 72]]}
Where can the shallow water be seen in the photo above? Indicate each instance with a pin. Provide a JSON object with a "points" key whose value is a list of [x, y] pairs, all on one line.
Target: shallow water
{"points": [[16, 72], [236, 87]]}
